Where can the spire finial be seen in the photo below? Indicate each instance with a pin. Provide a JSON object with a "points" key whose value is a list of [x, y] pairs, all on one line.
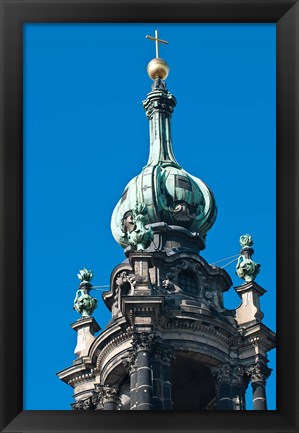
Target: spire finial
{"points": [[84, 304], [246, 268], [157, 40], [157, 67]]}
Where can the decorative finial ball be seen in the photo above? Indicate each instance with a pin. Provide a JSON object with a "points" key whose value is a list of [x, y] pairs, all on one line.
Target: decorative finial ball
{"points": [[157, 68]]}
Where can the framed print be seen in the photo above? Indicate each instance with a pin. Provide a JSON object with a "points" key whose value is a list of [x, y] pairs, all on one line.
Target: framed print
{"points": [[61, 180]]}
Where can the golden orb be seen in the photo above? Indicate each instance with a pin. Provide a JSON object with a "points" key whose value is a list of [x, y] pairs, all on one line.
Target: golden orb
{"points": [[157, 68]]}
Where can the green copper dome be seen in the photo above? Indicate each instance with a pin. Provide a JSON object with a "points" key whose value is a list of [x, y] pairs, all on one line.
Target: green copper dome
{"points": [[164, 190]]}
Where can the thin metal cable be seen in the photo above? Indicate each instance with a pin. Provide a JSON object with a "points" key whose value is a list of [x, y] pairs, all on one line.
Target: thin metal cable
{"points": [[226, 258], [99, 287], [229, 263], [222, 260]]}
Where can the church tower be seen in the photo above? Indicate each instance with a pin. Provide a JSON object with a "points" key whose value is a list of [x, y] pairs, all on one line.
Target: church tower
{"points": [[170, 344]]}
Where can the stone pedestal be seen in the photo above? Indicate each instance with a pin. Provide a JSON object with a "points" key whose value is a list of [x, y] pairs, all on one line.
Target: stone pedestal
{"points": [[249, 311], [85, 328]]}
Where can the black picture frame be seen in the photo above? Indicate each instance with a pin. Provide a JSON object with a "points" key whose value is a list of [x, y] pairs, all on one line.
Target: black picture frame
{"points": [[285, 13]]}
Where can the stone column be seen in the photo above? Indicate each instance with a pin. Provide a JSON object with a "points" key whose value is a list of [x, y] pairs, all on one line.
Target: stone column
{"points": [[258, 373], [130, 364], [238, 388], [222, 375], [97, 398], [110, 399], [144, 374]]}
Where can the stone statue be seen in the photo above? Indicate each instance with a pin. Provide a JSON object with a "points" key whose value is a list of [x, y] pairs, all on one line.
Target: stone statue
{"points": [[139, 236], [246, 268], [84, 304]]}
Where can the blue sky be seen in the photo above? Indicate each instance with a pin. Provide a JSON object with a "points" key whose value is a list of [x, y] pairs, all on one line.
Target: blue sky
{"points": [[86, 136]]}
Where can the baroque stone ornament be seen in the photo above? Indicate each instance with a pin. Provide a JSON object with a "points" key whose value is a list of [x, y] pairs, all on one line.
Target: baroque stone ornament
{"points": [[86, 404], [97, 397], [168, 356], [238, 374], [246, 268], [84, 304], [258, 372], [123, 277], [223, 373], [165, 354], [130, 362], [105, 394], [138, 236], [110, 394], [183, 212], [167, 285], [142, 341]]}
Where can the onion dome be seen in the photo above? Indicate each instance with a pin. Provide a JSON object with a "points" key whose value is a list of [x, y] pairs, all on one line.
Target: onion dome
{"points": [[164, 190]]}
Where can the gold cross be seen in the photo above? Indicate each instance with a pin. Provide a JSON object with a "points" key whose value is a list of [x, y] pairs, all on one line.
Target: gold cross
{"points": [[157, 40]]}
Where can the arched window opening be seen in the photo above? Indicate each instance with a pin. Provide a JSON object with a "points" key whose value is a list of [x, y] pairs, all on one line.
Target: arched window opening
{"points": [[187, 282]]}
